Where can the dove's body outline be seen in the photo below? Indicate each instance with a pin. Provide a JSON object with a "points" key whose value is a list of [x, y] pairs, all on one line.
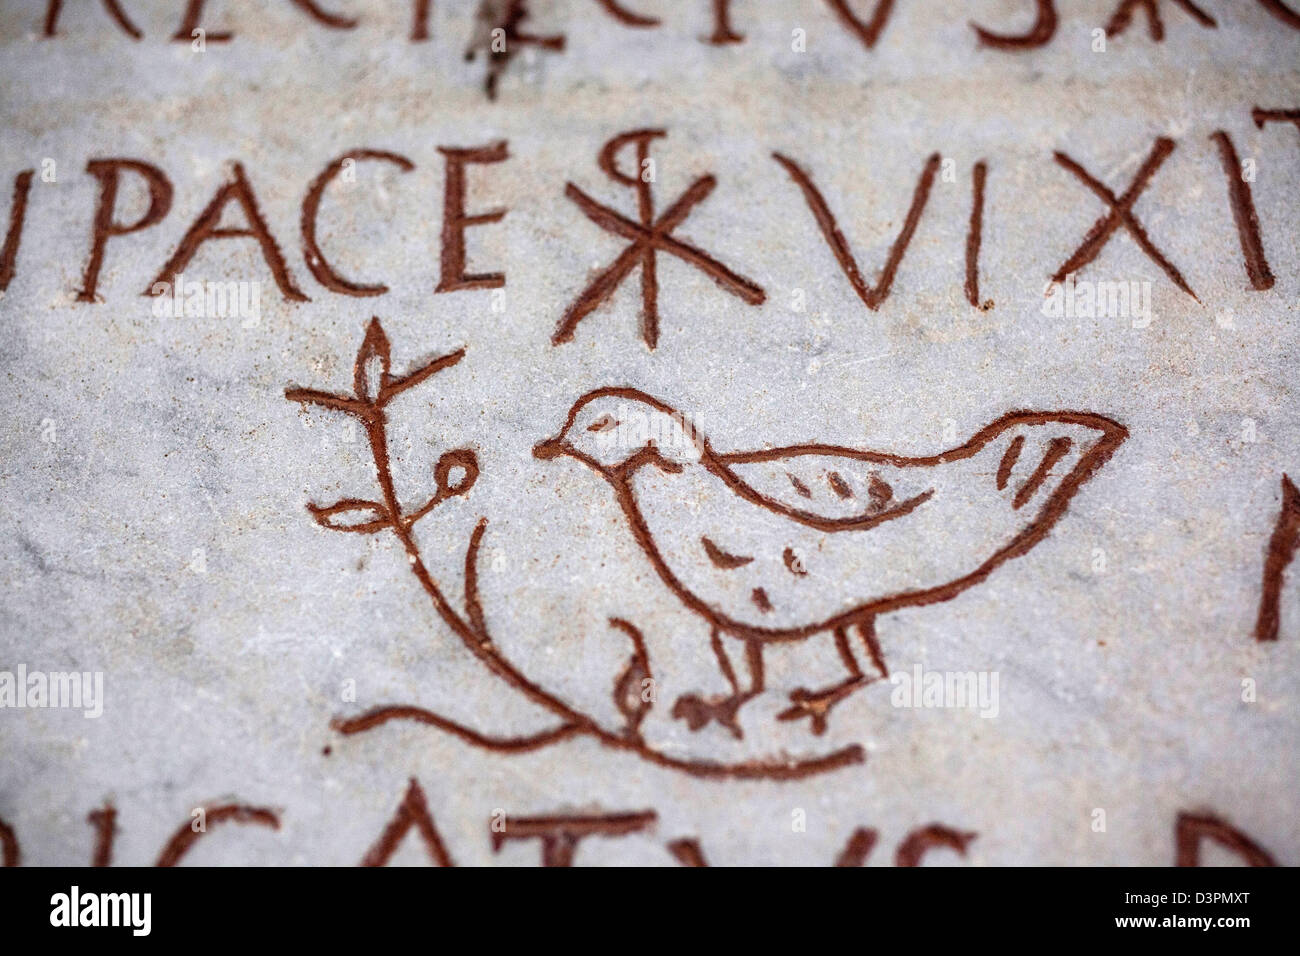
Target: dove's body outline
{"points": [[820, 504]]}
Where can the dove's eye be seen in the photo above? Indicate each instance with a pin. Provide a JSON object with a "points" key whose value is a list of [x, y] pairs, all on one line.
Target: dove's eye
{"points": [[603, 424]]}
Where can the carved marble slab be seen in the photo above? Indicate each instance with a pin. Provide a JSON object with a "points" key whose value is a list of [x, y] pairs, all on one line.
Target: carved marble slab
{"points": [[607, 432]]}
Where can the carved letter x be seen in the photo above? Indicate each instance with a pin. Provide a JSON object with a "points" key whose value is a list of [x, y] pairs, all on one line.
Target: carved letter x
{"points": [[648, 236], [1121, 213]]}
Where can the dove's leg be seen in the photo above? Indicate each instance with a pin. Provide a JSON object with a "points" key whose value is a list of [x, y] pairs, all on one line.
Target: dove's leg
{"points": [[867, 631], [698, 711], [817, 704]]}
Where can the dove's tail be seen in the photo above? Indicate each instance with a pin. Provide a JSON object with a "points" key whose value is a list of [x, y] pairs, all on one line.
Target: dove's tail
{"points": [[1044, 458]]}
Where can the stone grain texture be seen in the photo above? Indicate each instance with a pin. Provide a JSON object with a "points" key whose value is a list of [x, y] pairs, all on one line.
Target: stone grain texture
{"points": [[154, 479]]}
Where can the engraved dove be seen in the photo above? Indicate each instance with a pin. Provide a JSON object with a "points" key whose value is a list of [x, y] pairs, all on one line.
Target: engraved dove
{"points": [[785, 544]]}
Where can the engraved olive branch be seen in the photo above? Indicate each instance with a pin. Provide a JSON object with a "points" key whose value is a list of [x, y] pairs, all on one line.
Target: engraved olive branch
{"points": [[374, 386]]}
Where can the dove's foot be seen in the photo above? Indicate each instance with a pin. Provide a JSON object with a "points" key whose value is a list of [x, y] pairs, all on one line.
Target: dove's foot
{"points": [[817, 704], [699, 712]]}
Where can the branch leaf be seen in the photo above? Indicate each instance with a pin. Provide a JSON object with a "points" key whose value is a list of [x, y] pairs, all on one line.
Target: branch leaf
{"points": [[352, 514], [310, 396], [395, 385], [370, 375]]}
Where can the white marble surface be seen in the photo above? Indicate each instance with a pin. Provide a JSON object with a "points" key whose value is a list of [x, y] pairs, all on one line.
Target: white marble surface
{"points": [[154, 479]]}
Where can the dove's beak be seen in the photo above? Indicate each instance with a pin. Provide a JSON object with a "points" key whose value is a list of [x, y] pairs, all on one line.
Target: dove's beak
{"points": [[551, 448]]}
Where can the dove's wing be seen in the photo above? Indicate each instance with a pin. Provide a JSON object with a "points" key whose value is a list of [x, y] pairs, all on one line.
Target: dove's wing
{"points": [[827, 488], [750, 539]]}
